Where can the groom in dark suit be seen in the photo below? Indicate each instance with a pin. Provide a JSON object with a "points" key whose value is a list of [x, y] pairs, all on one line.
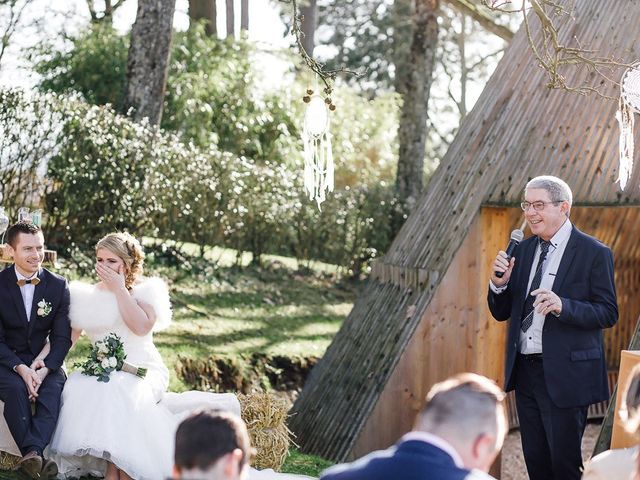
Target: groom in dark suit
{"points": [[558, 292], [35, 336]]}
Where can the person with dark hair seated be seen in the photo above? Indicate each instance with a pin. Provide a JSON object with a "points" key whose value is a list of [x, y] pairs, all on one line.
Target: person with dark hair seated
{"points": [[212, 445]]}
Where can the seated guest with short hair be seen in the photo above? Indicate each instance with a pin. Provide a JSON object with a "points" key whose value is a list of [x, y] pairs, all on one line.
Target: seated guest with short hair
{"points": [[212, 445], [457, 436], [621, 463]]}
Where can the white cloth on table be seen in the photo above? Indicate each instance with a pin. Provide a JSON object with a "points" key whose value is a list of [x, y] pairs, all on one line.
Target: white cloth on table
{"points": [[618, 464]]}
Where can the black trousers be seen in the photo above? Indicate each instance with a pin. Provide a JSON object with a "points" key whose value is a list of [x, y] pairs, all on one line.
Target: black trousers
{"points": [[31, 432], [551, 436]]}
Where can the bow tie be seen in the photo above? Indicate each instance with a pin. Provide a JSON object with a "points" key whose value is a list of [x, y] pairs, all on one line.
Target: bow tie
{"points": [[33, 281]]}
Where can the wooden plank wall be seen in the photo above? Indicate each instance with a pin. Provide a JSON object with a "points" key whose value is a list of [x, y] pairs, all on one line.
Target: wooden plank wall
{"points": [[457, 333]]}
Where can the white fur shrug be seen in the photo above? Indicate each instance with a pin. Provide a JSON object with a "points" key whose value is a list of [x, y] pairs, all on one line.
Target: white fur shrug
{"points": [[94, 309]]}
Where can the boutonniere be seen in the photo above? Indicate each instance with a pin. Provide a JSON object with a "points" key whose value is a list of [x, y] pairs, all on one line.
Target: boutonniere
{"points": [[44, 308]]}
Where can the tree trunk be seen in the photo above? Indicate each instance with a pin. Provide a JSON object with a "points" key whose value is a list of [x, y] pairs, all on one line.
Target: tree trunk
{"points": [[148, 62], [309, 24], [231, 19], [204, 10], [412, 131], [244, 15], [401, 20]]}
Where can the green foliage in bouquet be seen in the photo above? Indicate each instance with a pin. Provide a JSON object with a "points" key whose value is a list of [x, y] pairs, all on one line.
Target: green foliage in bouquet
{"points": [[106, 356]]}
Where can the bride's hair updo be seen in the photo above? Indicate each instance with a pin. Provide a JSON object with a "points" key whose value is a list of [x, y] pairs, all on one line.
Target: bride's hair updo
{"points": [[128, 248]]}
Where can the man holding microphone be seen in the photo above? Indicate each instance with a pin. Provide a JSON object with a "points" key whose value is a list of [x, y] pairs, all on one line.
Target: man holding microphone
{"points": [[558, 293]]}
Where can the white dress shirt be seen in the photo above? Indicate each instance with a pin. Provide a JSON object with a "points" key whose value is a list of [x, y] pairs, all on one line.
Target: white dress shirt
{"points": [[27, 292], [531, 340]]}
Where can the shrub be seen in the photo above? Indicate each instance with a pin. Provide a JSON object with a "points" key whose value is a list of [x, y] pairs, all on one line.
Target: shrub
{"points": [[29, 127], [95, 171]]}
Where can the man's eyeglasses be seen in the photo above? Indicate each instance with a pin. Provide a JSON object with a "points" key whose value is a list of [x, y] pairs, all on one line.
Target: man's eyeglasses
{"points": [[537, 206]]}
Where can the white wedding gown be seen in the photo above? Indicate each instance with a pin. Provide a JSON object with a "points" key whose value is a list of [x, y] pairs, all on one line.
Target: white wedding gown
{"points": [[124, 421]]}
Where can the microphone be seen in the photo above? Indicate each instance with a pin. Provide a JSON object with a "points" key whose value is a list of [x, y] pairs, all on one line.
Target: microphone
{"points": [[516, 237]]}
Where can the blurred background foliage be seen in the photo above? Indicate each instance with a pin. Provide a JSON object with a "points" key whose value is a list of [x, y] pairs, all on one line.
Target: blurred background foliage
{"points": [[224, 167]]}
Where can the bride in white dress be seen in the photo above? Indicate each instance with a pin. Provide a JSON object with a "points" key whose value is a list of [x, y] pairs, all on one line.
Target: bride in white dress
{"points": [[118, 429]]}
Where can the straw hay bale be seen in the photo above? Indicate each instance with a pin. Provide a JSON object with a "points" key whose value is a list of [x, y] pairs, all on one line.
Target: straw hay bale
{"points": [[8, 461], [265, 415]]}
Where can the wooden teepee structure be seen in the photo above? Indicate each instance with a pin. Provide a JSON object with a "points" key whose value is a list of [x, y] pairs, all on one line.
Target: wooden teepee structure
{"points": [[423, 315]]}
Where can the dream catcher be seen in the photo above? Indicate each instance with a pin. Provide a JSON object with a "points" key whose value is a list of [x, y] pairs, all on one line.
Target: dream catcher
{"points": [[4, 224], [629, 105], [318, 156]]}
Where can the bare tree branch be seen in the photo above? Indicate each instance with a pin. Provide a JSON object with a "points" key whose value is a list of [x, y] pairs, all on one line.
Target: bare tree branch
{"points": [[12, 23], [327, 76], [552, 55], [109, 9], [473, 10], [486, 57]]}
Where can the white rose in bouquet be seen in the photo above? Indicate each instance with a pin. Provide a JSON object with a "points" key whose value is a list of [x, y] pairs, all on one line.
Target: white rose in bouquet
{"points": [[105, 363], [112, 361]]}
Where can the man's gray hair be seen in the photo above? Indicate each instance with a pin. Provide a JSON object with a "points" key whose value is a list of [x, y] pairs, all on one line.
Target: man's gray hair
{"points": [[558, 189], [465, 405]]}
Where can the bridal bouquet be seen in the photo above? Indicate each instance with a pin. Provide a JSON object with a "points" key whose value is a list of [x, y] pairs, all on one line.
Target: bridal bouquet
{"points": [[107, 355]]}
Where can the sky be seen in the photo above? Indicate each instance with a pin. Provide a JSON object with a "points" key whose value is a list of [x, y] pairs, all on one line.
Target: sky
{"points": [[265, 27]]}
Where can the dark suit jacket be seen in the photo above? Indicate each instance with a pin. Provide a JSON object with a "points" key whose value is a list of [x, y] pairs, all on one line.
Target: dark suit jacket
{"points": [[572, 345], [407, 460], [20, 340]]}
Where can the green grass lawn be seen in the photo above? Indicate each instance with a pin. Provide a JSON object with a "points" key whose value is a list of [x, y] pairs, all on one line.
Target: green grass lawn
{"points": [[297, 462], [225, 310], [244, 311], [304, 464]]}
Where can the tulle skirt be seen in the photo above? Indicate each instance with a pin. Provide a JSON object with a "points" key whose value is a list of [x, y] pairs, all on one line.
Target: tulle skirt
{"points": [[118, 421], [121, 422]]}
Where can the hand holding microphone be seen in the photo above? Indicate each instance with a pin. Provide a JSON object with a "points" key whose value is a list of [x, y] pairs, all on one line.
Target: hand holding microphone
{"points": [[503, 264]]}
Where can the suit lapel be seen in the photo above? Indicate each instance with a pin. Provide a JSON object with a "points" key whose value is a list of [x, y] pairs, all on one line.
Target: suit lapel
{"points": [[16, 295], [528, 263], [38, 295], [567, 259], [523, 277]]}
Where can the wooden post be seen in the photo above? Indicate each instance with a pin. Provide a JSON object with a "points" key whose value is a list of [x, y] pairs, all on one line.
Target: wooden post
{"points": [[604, 437]]}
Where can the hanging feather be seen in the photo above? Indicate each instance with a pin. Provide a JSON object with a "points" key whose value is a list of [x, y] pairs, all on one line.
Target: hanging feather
{"points": [[318, 155], [629, 105]]}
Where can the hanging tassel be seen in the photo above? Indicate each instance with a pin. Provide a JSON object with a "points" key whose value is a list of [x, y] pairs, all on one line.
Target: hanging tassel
{"points": [[318, 166], [624, 115], [318, 156], [628, 106]]}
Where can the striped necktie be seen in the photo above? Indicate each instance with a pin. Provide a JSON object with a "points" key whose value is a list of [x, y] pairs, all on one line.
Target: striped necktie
{"points": [[527, 311]]}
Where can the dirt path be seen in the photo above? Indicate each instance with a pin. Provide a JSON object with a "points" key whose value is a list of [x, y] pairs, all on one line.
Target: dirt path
{"points": [[513, 467]]}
